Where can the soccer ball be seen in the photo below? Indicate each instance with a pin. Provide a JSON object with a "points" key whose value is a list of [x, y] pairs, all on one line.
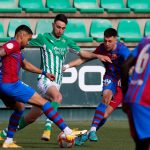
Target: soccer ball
{"points": [[63, 142]]}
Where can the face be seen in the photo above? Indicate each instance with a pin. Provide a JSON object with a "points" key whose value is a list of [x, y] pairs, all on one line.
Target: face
{"points": [[110, 43], [58, 28], [25, 39]]}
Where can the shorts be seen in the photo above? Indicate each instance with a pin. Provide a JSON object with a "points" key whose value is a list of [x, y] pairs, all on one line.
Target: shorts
{"points": [[108, 84], [44, 84], [18, 91], [139, 120], [117, 98]]}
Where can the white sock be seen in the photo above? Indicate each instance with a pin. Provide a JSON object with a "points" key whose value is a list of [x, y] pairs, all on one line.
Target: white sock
{"points": [[67, 130], [93, 129], [9, 140]]}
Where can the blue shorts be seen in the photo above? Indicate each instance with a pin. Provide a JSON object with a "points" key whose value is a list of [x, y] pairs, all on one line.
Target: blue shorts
{"points": [[18, 91], [109, 84], [140, 120]]}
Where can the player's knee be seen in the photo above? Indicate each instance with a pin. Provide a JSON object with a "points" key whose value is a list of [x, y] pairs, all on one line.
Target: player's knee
{"points": [[58, 98]]}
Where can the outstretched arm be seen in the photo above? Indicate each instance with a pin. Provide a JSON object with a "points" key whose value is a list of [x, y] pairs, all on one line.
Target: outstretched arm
{"points": [[91, 55], [31, 68]]}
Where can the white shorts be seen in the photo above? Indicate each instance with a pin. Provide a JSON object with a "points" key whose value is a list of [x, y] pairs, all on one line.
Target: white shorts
{"points": [[44, 84]]}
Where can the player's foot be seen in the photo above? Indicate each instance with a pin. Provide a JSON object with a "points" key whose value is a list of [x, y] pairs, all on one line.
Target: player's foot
{"points": [[2, 136], [93, 136], [46, 135], [75, 134], [10, 145], [81, 139]]}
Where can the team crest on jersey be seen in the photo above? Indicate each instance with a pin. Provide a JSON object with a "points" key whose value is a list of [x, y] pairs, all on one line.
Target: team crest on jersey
{"points": [[106, 82], [10, 45], [114, 56]]}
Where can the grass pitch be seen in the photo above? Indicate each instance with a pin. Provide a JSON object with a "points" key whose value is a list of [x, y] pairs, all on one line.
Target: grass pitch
{"points": [[114, 135]]}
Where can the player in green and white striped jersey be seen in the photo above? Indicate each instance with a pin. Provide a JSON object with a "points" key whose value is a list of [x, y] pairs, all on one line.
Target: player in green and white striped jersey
{"points": [[54, 47]]}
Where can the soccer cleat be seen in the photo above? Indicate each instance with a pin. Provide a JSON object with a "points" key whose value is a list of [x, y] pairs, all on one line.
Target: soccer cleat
{"points": [[10, 145], [92, 136], [75, 134], [2, 135], [81, 139], [46, 135]]}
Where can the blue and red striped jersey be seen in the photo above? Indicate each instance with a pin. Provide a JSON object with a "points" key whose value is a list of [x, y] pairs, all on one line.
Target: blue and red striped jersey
{"points": [[118, 55], [139, 87], [12, 62]]}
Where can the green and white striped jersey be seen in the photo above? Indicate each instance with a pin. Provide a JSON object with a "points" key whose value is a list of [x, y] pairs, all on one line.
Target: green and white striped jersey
{"points": [[53, 52]]}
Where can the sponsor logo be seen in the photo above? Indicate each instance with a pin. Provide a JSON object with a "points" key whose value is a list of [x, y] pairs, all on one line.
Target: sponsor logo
{"points": [[79, 76]]}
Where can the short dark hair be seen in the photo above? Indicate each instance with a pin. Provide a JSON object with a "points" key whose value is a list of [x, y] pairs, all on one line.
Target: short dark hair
{"points": [[110, 32], [23, 28], [62, 18]]}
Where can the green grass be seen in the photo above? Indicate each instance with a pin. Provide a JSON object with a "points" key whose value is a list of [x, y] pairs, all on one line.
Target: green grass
{"points": [[114, 135]]}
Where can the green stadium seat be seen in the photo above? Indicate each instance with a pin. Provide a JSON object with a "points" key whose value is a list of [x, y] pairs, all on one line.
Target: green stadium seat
{"points": [[147, 28], [60, 6], [88, 6], [3, 37], [14, 23], [33, 6], [76, 30], [97, 28], [129, 30], [43, 26], [114, 6], [139, 6], [9, 6]]}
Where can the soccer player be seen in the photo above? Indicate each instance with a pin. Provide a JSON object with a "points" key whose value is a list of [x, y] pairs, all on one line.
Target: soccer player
{"points": [[54, 47], [112, 92], [14, 92], [137, 101]]}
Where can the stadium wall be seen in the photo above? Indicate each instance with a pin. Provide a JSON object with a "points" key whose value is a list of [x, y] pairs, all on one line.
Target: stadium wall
{"points": [[81, 88]]}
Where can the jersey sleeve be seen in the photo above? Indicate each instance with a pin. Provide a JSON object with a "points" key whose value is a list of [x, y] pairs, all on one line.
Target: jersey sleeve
{"points": [[96, 51], [37, 40], [72, 46], [124, 52], [11, 47]]}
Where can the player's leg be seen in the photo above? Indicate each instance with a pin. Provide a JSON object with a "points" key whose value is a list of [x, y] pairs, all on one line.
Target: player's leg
{"points": [[109, 89], [53, 115], [50, 91], [99, 114], [12, 127], [114, 103]]}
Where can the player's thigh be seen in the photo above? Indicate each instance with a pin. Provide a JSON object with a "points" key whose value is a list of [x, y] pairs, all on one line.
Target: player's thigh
{"points": [[49, 89], [37, 100], [109, 89], [54, 94]]}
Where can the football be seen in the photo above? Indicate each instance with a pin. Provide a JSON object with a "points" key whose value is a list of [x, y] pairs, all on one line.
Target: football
{"points": [[63, 142]]}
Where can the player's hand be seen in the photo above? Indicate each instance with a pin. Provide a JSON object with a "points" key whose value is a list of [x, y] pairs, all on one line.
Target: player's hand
{"points": [[50, 76], [104, 58], [65, 67]]}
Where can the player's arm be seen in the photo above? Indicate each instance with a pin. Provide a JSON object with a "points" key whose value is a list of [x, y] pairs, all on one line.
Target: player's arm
{"points": [[2, 52], [92, 55], [84, 54], [128, 63], [31, 68]]}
